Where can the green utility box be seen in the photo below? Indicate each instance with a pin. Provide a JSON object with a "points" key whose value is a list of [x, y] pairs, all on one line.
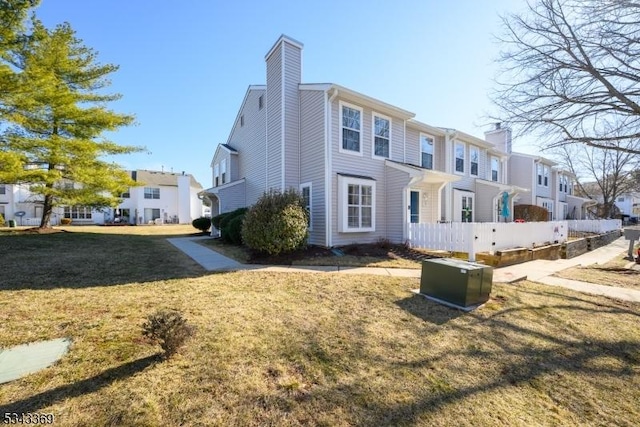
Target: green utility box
{"points": [[455, 281], [12, 223]]}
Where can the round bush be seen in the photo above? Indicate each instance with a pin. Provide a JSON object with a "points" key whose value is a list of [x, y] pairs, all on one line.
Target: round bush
{"points": [[202, 223], [224, 223], [234, 230], [215, 221], [277, 223]]}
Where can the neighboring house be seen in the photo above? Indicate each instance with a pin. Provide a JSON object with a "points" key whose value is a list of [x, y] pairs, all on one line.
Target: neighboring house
{"points": [[365, 168], [162, 197], [629, 204], [551, 187]]}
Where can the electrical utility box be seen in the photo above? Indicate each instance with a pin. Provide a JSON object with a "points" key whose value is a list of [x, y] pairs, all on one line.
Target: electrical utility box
{"points": [[455, 281]]}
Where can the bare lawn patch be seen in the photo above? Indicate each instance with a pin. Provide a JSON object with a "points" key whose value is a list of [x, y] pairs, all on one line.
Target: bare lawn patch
{"points": [[612, 273], [296, 349]]}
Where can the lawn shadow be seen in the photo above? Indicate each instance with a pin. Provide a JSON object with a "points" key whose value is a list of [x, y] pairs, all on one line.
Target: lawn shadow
{"points": [[89, 385], [429, 311], [80, 259]]}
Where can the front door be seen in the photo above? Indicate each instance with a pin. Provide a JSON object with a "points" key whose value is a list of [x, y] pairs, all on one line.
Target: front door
{"points": [[463, 206], [415, 207]]}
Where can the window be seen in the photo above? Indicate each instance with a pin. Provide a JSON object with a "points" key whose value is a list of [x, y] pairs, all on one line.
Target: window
{"points": [[560, 180], [539, 170], [260, 102], [495, 169], [459, 157], [151, 193], [216, 175], [546, 175], [242, 120], [3, 189], [357, 204], [305, 189], [351, 129], [223, 171], [467, 209], [77, 212], [474, 159], [126, 194], [621, 199], [381, 136], [566, 180], [548, 205], [426, 150]]}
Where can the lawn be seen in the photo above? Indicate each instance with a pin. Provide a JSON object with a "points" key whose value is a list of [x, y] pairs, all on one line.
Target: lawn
{"points": [[612, 273], [297, 349]]}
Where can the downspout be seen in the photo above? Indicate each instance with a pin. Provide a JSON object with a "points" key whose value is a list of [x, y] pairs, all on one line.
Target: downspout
{"points": [[404, 142], [447, 168], [328, 171]]}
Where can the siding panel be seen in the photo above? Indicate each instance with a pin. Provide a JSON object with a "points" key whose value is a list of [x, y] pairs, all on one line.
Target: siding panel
{"points": [[292, 77], [274, 120]]}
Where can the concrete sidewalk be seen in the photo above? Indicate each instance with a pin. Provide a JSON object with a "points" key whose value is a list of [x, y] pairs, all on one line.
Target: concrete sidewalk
{"points": [[538, 271]]}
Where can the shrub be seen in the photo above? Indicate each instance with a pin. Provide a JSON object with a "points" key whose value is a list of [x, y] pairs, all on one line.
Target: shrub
{"points": [[215, 221], [530, 213], [2, 222], [65, 221], [276, 223], [224, 223], [168, 328], [233, 230], [202, 223]]}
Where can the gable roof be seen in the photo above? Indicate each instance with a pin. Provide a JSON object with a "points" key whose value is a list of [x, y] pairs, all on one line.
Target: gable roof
{"points": [[167, 179]]}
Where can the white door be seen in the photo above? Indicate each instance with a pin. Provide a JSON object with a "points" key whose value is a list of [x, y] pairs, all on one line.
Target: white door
{"points": [[463, 206]]}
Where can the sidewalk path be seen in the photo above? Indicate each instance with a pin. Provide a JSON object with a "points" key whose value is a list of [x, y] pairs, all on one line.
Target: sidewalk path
{"points": [[538, 271]]}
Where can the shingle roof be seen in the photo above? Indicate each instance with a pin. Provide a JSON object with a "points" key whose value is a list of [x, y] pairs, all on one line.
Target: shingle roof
{"points": [[161, 178]]}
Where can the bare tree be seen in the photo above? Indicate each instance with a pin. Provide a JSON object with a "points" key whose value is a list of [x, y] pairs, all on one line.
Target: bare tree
{"points": [[570, 73], [603, 174]]}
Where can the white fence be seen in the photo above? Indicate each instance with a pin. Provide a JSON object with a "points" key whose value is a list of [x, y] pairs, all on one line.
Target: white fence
{"points": [[33, 222], [595, 225], [486, 236]]}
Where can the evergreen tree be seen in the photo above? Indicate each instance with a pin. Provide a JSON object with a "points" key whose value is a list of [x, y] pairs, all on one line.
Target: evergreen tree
{"points": [[58, 117]]}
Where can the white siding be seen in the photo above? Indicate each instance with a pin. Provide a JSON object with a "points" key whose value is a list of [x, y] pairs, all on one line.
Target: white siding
{"points": [[274, 120], [232, 198], [396, 181], [249, 141], [312, 158], [521, 174]]}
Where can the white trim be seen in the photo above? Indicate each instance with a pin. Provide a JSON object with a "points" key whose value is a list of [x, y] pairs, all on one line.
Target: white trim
{"points": [[283, 39], [455, 157], [491, 159], [404, 141], [343, 104], [310, 186], [343, 211], [375, 114], [215, 190], [457, 204], [328, 191], [374, 104], [474, 147], [433, 154]]}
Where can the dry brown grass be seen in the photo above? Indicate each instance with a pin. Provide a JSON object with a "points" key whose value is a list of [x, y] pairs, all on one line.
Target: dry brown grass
{"points": [[612, 273], [319, 349]]}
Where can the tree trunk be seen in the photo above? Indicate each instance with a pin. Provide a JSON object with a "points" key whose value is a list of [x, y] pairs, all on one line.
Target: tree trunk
{"points": [[47, 209]]}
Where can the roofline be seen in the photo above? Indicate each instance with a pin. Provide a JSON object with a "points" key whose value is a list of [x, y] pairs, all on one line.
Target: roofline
{"points": [[286, 39], [473, 139], [417, 171], [244, 101], [538, 158], [428, 128], [372, 101]]}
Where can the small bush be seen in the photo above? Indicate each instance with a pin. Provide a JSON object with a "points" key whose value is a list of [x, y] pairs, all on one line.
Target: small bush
{"points": [[277, 223], [224, 223], [530, 213], [65, 221], [168, 328], [2, 222], [203, 223], [215, 221], [233, 230]]}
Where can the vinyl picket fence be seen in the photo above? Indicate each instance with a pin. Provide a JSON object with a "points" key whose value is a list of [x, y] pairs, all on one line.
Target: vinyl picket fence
{"points": [[474, 237], [477, 237]]}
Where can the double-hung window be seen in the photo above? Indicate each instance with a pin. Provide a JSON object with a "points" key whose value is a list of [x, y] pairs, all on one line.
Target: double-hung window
{"points": [[546, 175], [3, 189], [351, 129], [151, 193], [495, 169], [357, 204], [459, 147], [539, 170], [426, 151], [566, 180], [223, 171], [305, 190], [474, 160], [216, 175], [381, 136]]}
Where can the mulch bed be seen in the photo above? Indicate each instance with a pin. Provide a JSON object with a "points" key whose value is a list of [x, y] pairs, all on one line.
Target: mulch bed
{"points": [[383, 252]]}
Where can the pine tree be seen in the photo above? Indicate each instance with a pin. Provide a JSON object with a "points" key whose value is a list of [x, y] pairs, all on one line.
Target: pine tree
{"points": [[58, 116]]}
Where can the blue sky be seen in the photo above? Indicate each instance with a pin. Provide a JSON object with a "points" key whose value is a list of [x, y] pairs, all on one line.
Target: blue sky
{"points": [[185, 66]]}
